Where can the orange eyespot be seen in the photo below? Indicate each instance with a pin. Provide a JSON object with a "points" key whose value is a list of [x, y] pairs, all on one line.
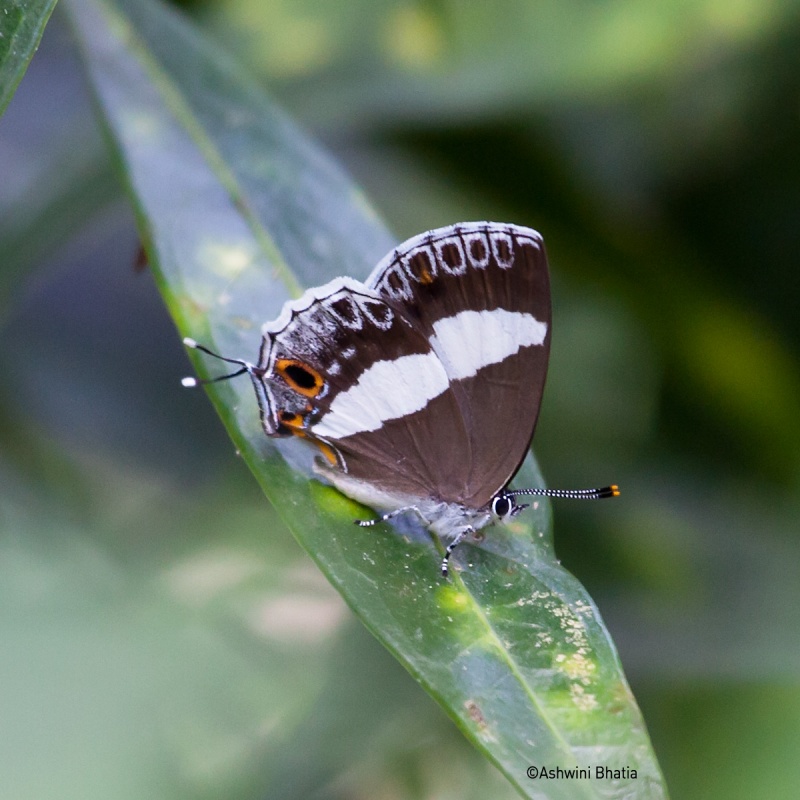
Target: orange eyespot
{"points": [[291, 422], [328, 452], [291, 419], [294, 425], [299, 376]]}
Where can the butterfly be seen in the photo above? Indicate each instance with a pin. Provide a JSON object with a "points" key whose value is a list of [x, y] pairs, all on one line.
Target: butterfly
{"points": [[420, 387]]}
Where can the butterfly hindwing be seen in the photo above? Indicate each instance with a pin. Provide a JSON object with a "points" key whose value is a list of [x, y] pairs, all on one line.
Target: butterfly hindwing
{"points": [[343, 368]]}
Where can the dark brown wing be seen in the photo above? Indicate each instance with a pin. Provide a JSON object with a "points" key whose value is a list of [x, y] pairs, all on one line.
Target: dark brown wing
{"points": [[479, 293], [343, 368]]}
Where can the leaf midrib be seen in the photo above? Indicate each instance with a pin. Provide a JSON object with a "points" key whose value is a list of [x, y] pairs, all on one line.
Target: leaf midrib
{"points": [[183, 114]]}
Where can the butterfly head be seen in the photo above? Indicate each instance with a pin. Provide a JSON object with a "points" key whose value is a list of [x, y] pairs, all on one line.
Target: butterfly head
{"points": [[505, 507]]}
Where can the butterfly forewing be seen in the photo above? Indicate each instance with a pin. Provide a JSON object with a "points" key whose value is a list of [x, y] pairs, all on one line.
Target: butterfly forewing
{"points": [[479, 293]]}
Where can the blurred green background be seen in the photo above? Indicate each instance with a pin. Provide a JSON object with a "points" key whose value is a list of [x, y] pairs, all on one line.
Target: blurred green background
{"points": [[160, 631]]}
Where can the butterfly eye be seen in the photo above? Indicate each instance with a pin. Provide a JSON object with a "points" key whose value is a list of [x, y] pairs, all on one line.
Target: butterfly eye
{"points": [[501, 506], [300, 377]]}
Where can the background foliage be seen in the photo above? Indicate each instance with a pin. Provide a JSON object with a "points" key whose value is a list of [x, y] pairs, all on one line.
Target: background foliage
{"points": [[655, 146]]}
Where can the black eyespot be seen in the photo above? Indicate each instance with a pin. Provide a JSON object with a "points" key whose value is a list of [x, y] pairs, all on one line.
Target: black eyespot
{"points": [[501, 506], [477, 249], [302, 377]]}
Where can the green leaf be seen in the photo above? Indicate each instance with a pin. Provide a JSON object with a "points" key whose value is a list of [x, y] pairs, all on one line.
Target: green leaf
{"points": [[238, 209], [21, 27]]}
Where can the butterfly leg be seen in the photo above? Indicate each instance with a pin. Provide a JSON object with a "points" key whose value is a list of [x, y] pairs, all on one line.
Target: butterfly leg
{"points": [[459, 537], [366, 523]]}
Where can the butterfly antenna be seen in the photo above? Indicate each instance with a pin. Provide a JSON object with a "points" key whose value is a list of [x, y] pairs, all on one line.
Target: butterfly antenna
{"points": [[244, 366], [571, 494]]}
